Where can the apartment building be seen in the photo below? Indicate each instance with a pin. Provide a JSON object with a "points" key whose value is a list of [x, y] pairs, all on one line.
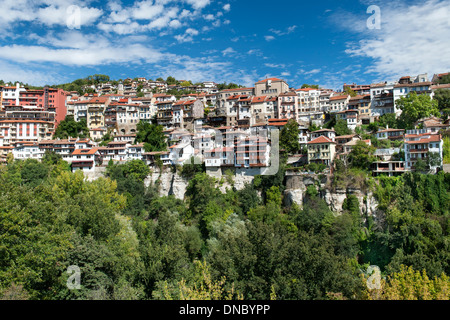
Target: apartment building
{"points": [[288, 106], [271, 87], [321, 150], [362, 104], [165, 113], [339, 103], [406, 85], [418, 144], [263, 108], [47, 99], [25, 130]]}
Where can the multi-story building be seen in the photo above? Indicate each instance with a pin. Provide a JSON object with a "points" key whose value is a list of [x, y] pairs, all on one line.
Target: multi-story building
{"points": [[85, 159], [362, 104], [288, 106], [329, 133], [25, 130], [359, 89], [391, 134], [418, 144], [165, 113], [339, 103], [321, 150], [350, 116], [406, 85], [263, 108], [47, 99], [309, 105], [271, 87]]}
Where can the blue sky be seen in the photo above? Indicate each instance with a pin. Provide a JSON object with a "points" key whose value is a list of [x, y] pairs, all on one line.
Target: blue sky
{"points": [[317, 42]]}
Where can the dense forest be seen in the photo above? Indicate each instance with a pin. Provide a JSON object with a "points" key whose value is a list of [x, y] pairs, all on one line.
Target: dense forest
{"points": [[130, 243]]}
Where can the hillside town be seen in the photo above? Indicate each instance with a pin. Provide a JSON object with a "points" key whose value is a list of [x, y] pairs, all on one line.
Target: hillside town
{"points": [[229, 128]]}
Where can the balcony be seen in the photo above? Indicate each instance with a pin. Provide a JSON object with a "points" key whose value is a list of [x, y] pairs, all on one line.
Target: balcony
{"points": [[418, 150]]}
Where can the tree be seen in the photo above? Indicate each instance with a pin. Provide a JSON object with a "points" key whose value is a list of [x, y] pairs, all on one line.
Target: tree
{"points": [[186, 84], [71, 128], [421, 166], [433, 159], [152, 136], [170, 80], [289, 137], [409, 284], [313, 86], [362, 156], [444, 79], [415, 107], [341, 128], [350, 92]]}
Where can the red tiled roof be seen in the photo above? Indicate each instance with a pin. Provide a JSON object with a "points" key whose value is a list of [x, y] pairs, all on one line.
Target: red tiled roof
{"points": [[321, 139], [343, 97], [272, 79], [84, 151]]}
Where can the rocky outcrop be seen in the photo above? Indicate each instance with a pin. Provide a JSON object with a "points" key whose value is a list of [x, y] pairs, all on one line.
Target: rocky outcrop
{"points": [[296, 187], [170, 183]]}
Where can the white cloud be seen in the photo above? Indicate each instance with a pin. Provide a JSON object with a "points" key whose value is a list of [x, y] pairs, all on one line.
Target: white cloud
{"points": [[314, 71], [273, 65], [49, 13], [413, 39], [269, 38], [187, 36], [228, 51], [209, 17], [227, 7], [283, 33], [198, 4], [90, 54]]}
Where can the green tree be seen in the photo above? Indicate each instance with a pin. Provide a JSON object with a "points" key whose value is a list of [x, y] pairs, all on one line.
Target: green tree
{"points": [[415, 107], [289, 137], [71, 128], [341, 128], [152, 136], [362, 156], [313, 86]]}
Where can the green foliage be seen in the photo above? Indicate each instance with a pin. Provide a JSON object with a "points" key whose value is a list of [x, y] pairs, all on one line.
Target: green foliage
{"points": [[446, 153], [152, 136], [289, 137], [190, 168], [70, 128], [361, 156], [313, 86], [131, 243], [350, 92], [415, 107], [341, 128]]}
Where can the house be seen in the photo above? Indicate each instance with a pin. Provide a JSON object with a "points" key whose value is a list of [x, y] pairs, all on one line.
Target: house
{"points": [[350, 116], [432, 124], [182, 152], [339, 103], [85, 159], [271, 87], [406, 85], [418, 145], [382, 100], [288, 106], [26, 150], [329, 133], [321, 150], [391, 134], [219, 157], [151, 158]]}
